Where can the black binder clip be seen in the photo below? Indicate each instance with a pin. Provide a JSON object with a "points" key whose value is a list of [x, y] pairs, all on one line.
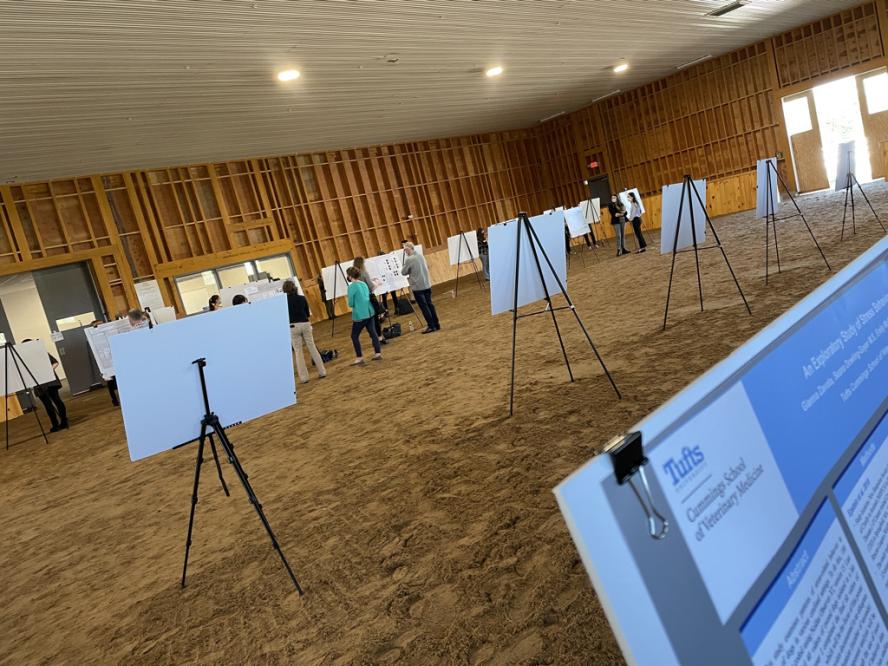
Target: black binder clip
{"points": [[627, 456]]}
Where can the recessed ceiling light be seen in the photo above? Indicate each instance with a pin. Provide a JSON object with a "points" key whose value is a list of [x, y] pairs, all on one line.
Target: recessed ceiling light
{"points": [[288, 75], [494, 71], [622, 67]]}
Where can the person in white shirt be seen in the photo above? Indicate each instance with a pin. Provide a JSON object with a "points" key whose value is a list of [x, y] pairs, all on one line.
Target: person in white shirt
{"points": [[635, 219]]}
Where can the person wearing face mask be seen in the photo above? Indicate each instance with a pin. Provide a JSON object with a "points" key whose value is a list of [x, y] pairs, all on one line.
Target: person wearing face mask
{"points": [[618, 219]]}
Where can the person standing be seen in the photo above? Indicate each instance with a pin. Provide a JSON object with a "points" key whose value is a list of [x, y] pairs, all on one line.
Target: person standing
{"points": [[52, 401], [360, 264], [329, 305], [301, 332], [483, 252], [362, 315], [635, 214], [618, 219], [417, 271]]}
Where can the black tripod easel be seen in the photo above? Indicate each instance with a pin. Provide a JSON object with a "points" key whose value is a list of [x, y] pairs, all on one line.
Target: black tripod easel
{"points": [[463, 241], [771, 218], [337, 267], [523, 225], [688, 193], [850, 182], [596, 217], [209, 426], [19, 363]]}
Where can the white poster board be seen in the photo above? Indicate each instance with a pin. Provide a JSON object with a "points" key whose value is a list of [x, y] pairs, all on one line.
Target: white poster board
{"points": [[672, 202], [335, 280], [502, 241], [148, 293], [385, 271], [99, 339], [255, 291], [164, 315], [769, 537], [576, 221], [624, 197], [766, 185], [249, 373], [463, 248], [592, 210], [33, 357], [847, 164]]}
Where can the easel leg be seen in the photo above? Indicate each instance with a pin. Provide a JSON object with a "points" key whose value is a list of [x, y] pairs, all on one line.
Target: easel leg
{"points": [[866, 198], [689, 185], [515, 317], [767, 244], [218, 466], [776, 247], [802, 215], [533, 241], [845, 213], [458, 260], [853, 211], [244, 479], [16, 357], [674, 253], [722, 249], [574, 310], [200, 449], [6, 388]]}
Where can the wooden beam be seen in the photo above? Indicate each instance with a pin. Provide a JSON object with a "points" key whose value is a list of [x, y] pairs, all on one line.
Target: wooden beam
{"points": [[15, 221], [123, 266], [222, 205], [777, 110], [210, 261]]}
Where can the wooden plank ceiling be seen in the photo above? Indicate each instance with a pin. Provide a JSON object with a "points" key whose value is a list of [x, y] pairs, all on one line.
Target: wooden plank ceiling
{"points": [[99, 86]]}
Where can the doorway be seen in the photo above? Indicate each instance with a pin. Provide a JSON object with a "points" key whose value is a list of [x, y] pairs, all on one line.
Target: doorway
{"points": [[53, 305], [854, 108]]}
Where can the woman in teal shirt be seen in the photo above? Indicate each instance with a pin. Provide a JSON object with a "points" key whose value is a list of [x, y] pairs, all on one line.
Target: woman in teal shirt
{"points": [[363, 314]]}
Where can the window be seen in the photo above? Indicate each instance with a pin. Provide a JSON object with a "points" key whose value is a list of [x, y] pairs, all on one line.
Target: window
{"points": [[278, 268], [875, 89], [196, 289], [798, 116]]}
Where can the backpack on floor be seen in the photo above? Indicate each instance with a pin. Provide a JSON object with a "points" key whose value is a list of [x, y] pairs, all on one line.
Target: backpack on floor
{"points": [[393, 331], [327, 355]]}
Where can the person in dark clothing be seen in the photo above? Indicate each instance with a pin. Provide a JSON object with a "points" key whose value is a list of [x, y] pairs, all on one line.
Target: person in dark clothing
{"points": [[483, 252], [52, 401], [301, 332], [618, 219], [329, 305]]}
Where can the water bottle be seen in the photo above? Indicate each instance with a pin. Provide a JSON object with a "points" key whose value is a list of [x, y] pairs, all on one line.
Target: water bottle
{"points": [[410, 325]]}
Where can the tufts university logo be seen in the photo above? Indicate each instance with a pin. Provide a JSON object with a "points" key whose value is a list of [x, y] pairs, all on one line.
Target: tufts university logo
{"points": [[678, 470]]}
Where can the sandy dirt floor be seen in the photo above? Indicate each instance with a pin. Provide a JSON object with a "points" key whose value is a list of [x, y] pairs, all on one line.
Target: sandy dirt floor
{"points": [[419, 519]]}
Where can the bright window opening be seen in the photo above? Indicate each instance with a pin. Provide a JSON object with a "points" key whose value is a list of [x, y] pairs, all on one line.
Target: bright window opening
{"points": [[838, 110], [798, 116], [875, 89]]}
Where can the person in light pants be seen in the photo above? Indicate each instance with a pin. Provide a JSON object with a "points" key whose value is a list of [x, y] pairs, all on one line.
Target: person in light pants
{"points": [[301, 331]]}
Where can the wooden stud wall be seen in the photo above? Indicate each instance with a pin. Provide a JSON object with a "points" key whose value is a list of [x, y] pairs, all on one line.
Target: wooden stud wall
{"points": [[318, 207], [830, 45], [713, 120]]}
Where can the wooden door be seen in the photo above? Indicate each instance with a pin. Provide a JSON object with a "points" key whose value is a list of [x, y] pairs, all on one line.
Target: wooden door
{"points": [[805, 142]]}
